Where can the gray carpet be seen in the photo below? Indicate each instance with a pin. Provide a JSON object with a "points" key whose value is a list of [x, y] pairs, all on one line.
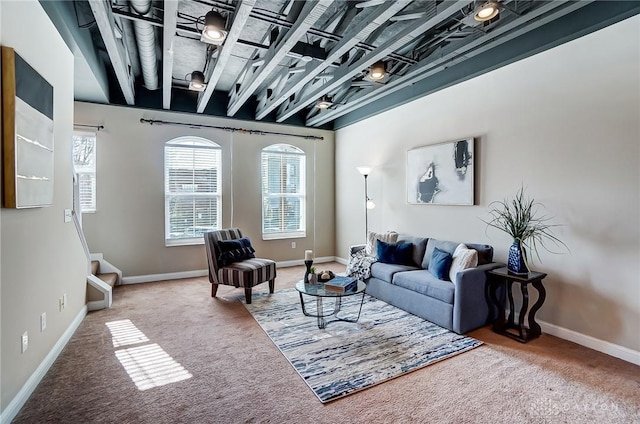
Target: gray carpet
{"points": [[239, 375], [346, 357]]}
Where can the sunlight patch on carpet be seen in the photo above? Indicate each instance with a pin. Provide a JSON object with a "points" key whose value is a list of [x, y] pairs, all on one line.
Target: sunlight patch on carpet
{"points": [[148, 365], [346, 357], [124, 333]]}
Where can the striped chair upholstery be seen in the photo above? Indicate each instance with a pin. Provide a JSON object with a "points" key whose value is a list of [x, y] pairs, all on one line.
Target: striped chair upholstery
{"points": [[246, 274]]}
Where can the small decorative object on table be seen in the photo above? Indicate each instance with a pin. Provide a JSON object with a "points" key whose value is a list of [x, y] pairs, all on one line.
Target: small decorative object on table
{"points": [[324, 276], [313, 278], [517, 217], [341, 284], [308, 261]]}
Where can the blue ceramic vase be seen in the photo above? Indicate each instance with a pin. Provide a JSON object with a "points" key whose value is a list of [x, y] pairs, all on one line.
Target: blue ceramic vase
{"points": [[517, 259]]}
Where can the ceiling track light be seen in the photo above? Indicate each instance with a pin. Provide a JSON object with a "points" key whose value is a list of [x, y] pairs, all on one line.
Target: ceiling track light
{"points": [[377, 71], [214, 31], [197, 81], [325, 102], [486, 11]]}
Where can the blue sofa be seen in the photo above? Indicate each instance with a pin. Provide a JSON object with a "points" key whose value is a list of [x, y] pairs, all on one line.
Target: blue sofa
{"points": [[461, 305]]}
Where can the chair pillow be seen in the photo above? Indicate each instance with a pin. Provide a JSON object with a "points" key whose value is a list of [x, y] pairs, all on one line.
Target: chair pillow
{"points": [[463, 258], [398, 254], [440, 264], [234, 250]]}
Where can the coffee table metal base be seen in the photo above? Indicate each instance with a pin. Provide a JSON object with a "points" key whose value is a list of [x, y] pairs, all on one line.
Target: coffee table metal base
{"points": [[321, 314]]}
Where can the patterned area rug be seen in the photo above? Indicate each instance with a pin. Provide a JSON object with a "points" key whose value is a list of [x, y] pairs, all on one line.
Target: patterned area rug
{"points": [[346, 357]]}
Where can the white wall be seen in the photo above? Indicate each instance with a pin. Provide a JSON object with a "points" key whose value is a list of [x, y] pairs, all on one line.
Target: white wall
{"points": [[41, 255], [565, 123], [128, 227]]}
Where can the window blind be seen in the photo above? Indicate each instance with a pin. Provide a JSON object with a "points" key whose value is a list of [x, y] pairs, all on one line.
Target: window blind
{"points": [[192, 190], [283, 192], [84, 164]]}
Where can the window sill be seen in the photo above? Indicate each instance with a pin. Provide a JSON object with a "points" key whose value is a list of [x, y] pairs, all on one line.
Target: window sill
{"points": [[184, 242], [282, 236]]}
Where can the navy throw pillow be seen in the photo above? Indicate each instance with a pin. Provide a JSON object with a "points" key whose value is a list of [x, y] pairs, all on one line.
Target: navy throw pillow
{"points": [[235, 250], [398, 254], [440, 264]]}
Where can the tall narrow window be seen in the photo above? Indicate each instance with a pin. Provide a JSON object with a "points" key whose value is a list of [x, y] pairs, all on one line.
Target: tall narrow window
{"points": [[192, 188], [283, 192], [84, 164]]}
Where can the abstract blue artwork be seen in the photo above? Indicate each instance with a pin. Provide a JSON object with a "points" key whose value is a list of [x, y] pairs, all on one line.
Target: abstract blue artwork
{"points": [[441, 174]]}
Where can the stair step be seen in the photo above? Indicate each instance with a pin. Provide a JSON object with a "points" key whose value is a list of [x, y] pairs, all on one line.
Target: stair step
{"points": [[95, 267], [110, 278]]}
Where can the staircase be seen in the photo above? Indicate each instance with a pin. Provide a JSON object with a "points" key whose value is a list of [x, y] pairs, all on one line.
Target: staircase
{"points": [[100, 283]]}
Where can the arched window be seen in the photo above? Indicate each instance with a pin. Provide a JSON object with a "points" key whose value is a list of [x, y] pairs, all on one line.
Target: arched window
{"points": [[192, 190], [283, 192]]}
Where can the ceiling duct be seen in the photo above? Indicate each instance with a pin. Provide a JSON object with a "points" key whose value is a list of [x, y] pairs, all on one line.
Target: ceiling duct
{"points": [[146, 40]]}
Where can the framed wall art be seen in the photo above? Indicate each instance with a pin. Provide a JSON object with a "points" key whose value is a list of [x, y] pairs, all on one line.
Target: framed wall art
{"points": [[441, 174], [27, 134]]}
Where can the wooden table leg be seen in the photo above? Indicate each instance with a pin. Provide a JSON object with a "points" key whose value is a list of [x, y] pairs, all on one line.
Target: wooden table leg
{"points": [[495, 283], [522, 331], [512, 305], [534, 327]]}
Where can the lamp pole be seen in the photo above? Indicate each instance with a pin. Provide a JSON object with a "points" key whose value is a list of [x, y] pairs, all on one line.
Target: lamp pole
{"points": [[366, 209], [368, 203]]}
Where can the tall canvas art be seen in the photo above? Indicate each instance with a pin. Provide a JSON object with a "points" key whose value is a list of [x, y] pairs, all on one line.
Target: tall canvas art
{"points": [[27, 134], [441, 174]]}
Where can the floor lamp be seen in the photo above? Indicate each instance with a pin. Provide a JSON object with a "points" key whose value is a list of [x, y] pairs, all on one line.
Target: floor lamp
{"points": [[368, 203]]}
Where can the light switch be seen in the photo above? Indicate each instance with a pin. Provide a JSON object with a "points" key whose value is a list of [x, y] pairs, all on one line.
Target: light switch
{"points": [[67, 215]]}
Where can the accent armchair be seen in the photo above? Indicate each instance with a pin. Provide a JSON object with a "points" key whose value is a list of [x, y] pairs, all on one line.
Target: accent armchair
{"points": [[232, 263]]}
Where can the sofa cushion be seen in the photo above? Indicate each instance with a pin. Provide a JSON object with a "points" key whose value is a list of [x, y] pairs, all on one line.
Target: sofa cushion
{"points": [[423, 282], [395, 253], [485, 252], [463, 258], [440, 264], [385, 272], [419, 247], [372, 240]]}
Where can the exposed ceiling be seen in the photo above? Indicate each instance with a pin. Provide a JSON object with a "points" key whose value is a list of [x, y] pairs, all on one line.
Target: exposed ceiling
{"points": [[281, 56]]}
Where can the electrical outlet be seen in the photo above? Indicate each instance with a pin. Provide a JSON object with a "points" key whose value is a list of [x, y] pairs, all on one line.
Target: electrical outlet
{"points": [[43, 321], [293, 244], [25, 341]]}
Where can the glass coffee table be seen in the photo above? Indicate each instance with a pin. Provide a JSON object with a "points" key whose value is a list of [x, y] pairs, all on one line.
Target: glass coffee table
{"points": [[320, 293]]}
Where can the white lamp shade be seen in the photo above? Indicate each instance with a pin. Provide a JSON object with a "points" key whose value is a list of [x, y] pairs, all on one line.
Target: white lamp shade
{"points": [[364, 170]]}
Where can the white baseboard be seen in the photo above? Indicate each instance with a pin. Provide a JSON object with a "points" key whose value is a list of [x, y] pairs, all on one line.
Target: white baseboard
{"points": [[96, 305], [321, 260], [342, 261], [137, 279], [609, 348], [27, 389]]}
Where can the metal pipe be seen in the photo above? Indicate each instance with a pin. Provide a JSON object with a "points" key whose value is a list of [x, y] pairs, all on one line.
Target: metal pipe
{"points": [[146, 40]]}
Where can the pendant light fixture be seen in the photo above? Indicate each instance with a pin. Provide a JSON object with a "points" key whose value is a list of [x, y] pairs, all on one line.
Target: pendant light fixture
{"points": [[377, 71], [486, 12], [214, 28], [324, 102], [197, 81]]}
